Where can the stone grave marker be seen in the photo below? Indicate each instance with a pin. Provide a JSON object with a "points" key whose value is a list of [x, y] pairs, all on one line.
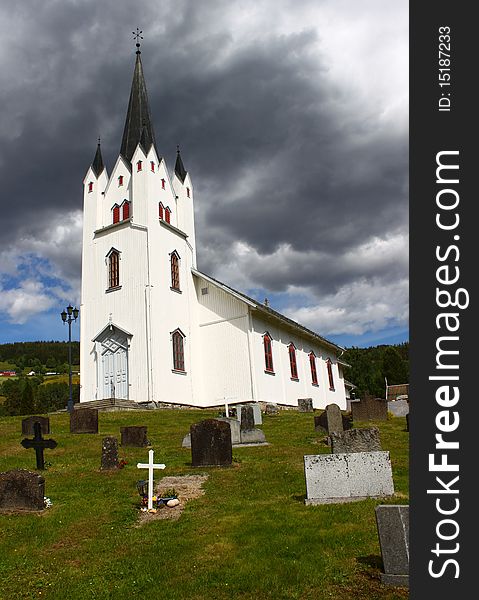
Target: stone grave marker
{"points": [[337, 478], [109, 454], [134, 435], [27, 425], [355, 440], [84, 420], [150, 465], [247, 418], [331, 419], [211, 443], [369, 409], [258, 418], [399, 408], [39, 445], [393, 531], [271, 409], [21, 490], [305, 404]]}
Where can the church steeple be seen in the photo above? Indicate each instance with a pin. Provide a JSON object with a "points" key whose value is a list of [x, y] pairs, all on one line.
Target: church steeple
{"points": [[97, 164], [138, 125], [179, 167]]}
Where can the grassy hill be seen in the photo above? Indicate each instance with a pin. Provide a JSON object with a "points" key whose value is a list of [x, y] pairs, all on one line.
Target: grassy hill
{"points": [[249, 537]]}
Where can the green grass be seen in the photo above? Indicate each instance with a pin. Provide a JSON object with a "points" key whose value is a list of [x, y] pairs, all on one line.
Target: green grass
{"points": [[249, 537]]}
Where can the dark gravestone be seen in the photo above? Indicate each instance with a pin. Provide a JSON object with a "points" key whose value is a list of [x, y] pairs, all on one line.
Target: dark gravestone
{"points": [[369, 409], [211, 443], [84, 420], [393, 531], [21, 490], [247, 418], [332, 420], [134, 435], [355, 440], [27, 425], [109, 454], [305, 404], [39, 445]]}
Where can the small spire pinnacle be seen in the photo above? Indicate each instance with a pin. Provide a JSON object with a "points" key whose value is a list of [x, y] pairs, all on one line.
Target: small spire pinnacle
{"points": [[137, 36], [97, 164], [179, 167]]}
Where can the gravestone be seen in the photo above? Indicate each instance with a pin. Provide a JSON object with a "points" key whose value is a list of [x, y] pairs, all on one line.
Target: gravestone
{"points": [[134, 435], [38, 444], [369, 409], [247, 418], [337, 478], [271, 409], [21, 490], [393, 532], [305, 404], [150, 465], [27, 425], [258, 419], [84, 420], [399, 408], [331, 419], [211, 443], [109, 454], [234, 427], [355, 440]]}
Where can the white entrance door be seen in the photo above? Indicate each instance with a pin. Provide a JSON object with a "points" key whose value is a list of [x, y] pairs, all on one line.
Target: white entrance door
{"points": [[115, 373]]}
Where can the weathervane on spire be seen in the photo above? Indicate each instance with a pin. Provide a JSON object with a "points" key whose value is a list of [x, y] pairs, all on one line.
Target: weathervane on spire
{"points": [[137, 36]]}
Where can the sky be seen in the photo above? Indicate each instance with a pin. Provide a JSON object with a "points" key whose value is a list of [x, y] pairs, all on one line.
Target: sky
{"points": [[292, 117]]}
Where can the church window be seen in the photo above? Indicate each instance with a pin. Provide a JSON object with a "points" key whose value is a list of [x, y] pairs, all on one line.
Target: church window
{"points": [[113, 269], [116, 213], [139, 165], [152, 165], [167, 215], [90, 186], [292, 361], [120, 180], [161, 211], [175, 271], [188, 192], [126, 210], [178, 350], [162, 184], [312, 363], [330, 374], [268, 353]]}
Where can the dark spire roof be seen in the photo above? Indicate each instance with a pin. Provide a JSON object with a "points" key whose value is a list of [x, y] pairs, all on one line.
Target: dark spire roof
{"points": [[138, 125], [97, 164], [179, 167]]}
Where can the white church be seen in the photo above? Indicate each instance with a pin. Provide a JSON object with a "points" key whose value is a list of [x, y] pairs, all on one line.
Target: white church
{"points": [[154, 328]]}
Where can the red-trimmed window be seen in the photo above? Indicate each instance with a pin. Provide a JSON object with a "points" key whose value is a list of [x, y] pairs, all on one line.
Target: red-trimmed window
{"points": [[161, 211], [188, 192], [292, 361], [175, 271], [268, 353], [139, 165], [126, 210], [90, 186], [167, 215], [114, 269], [152, 166], [120, 180], [116, 213], [330, 374], [178, 351], [314, 373], [162, 184]]}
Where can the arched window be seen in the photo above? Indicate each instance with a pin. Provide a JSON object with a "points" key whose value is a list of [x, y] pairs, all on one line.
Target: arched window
{"points": [[268, 353], [152, 166], [188, 192], [330, 374], [139, 165], [113, 269], [116, 213], [167, 215], [120, 180], [162, 184], [126, 210], [312, 363], [161, 210], [90, 186], [292, 361], [175, 271], [178, 338]]}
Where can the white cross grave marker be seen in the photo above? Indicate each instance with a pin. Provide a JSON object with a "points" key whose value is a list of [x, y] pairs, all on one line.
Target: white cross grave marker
{"points": [[150, 465]]}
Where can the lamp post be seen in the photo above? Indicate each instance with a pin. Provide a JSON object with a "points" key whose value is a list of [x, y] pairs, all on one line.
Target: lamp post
{"points": [[68, 316]]}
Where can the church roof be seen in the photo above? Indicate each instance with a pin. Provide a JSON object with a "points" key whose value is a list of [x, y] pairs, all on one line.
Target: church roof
{"points": [[269, 312], [179, 167], [97, 164], [138, 124]]}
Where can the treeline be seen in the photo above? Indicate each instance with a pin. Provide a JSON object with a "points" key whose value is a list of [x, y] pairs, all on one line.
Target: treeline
{"points": [[26, 396], [39, 356], [370, 367]]}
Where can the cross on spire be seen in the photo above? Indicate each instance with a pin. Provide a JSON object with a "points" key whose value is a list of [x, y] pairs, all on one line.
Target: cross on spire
{"points": [[39, 445], [137, 36]]}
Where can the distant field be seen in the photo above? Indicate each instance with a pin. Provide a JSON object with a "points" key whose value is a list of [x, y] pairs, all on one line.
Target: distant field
{"points": [[250, 537]]}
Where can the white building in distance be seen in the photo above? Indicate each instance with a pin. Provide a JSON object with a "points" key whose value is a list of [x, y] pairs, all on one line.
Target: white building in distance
{"points": [[154, 328]]}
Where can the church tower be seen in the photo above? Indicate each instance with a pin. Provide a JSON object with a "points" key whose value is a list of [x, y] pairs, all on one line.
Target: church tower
{"points": [[138, 298]]}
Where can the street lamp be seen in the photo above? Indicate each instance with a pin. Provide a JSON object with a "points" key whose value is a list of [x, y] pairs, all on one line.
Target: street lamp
{"points": [[68, 316]]}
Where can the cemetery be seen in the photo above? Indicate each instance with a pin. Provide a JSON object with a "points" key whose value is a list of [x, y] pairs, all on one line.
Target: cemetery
{"points": [[214, 520]]}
